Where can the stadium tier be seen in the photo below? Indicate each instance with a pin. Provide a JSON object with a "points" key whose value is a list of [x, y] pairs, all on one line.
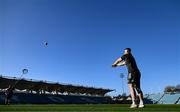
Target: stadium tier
{"points": [[169, 99], [165, 98], [154, 97], [24, 98], [45, 92], [47, 87]]}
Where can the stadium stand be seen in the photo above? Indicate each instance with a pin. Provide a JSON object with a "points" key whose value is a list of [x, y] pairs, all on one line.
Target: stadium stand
{"points": [[24, 98], [47, 87], [165, 98], [30, 91], [154, 97], [45, 92], [169, 99]]}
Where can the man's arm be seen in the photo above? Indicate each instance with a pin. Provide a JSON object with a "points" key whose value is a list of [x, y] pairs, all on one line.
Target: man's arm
{"points": [[7, 91], [116, 62], [121, 64]]}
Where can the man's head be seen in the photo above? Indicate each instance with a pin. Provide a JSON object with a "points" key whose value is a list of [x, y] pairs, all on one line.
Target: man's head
{"points": [[127, 50]]}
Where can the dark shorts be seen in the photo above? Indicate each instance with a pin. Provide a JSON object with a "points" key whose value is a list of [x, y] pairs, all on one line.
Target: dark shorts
{"points": [[134, 78]]}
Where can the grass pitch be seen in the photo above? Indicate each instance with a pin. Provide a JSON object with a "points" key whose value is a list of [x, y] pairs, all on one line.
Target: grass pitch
{"points": [[88, 108]]}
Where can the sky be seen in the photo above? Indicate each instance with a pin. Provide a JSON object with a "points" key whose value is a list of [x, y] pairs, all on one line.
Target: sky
{"points": [[86, 36]]}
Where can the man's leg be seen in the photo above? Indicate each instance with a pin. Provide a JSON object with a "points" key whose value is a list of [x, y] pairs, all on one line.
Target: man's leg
{"points": [[141, 97], [140, 94], [133, 95], [138, 88], [6, 101]]}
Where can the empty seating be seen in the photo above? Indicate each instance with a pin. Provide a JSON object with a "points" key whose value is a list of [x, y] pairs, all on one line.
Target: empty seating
{"points": [[164, 98], [169, 98], [54, 99], [154, 97]]}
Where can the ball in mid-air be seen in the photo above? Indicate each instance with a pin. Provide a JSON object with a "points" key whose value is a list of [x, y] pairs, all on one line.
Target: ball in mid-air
{"points": [[45, 43]]}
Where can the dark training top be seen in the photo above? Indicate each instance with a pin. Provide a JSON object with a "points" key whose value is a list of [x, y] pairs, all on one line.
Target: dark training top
{"points": [[130, 62], [9, 91]]}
